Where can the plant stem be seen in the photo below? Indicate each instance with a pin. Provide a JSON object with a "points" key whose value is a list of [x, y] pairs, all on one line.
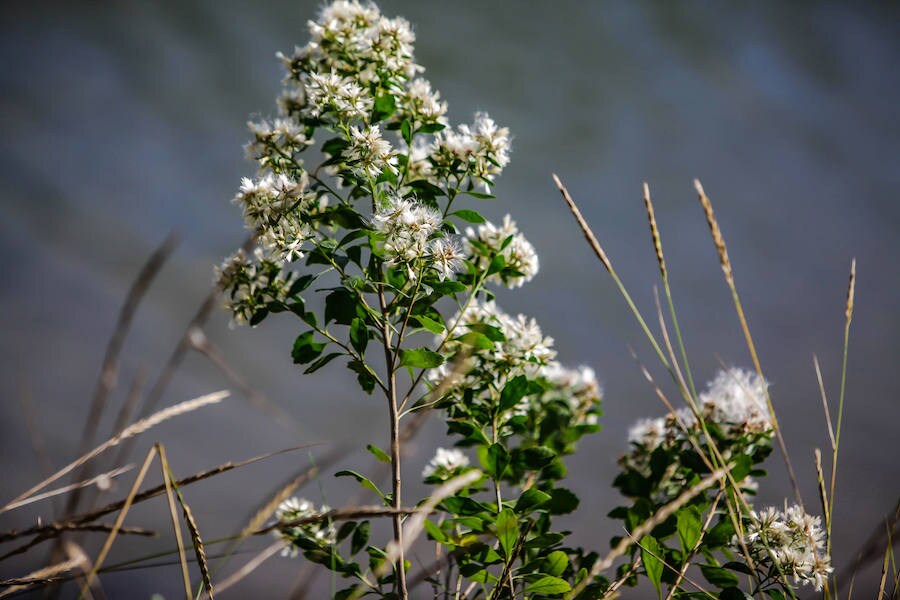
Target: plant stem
{"points": [[400, 567]]}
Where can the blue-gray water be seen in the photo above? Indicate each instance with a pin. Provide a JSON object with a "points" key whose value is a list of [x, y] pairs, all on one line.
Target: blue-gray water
{"points": [[124, 121]]}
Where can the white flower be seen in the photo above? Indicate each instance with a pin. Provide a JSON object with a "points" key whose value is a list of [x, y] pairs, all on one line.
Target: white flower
{"points": [[791, 541], [446, 256], [319, 529], [737, 398], [330, 93], [407, 226], [368, 152], [505, 240], [445, 462], [580, 387], [422, 105], [647, 433]]}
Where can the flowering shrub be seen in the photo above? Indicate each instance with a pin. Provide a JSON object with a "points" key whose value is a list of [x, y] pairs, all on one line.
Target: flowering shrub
{"points": [[381, 226]]}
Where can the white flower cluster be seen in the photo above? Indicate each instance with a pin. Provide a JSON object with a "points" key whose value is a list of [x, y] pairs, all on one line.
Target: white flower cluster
{"points": [[368, 153], [322, 532], [251, 284], [735, 401], [480, 151], [791, 541], [409, 230], [519, 255], [445, 463], [419, 104], [276, 143], [737, 398], [276, 207], [579, 387]]}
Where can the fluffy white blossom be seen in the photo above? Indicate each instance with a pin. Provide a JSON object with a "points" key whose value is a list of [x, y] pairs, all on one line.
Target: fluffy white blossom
{"points": [[579, 387], [275, 140], [322, 532], [368, 153], [330, 93], [791, 541], [446, 257], [275, 207], [251, 284], [737, 398], [522, 262], [407, 227], [421, 104], [445, 462], [647, 433], [480, 150]]}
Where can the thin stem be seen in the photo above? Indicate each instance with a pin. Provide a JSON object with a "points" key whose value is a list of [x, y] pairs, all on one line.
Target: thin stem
{"points": [[391, 393]]}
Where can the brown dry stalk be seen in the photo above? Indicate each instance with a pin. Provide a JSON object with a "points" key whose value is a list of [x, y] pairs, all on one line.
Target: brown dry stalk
{"points": [[77, 520], [173, 515], [719, 242], [97, 479], [718, 239], [199, 550], [89, 579], [654, 232], [588, 234], [129, 432], [250, 566], [45, 575]]}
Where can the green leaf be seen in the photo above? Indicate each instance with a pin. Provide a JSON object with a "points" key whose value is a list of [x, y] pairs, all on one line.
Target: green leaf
{"points": [[653, 566], [305, 349], [531, 499], [776, 594], [689, 525], [507, 531], [497, 460], [431, 128], [365, 379], [469, 216], [445, 288], [429, 324], [385, 106], [340, 307], [718, 576], [406, 131], [562, 502], [480, 195], [556, 562], [421, 358], [476, 340], [537, 458], [734, 593], [378, 453], [436, 533], [548, 585], [360, 537], [258, 317], [513, 391], [359, 335], [495, 334], [739, 567], [322, 361], [362, 479]]}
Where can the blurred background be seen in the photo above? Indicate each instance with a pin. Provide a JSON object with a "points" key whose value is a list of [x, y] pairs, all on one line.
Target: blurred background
{"points": [[122, 122]]}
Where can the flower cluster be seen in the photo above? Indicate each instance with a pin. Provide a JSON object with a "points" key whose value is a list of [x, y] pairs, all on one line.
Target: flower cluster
{"points": [[445, 464], [788, 543], [317, 531], [520, 261], [735, 401], [733, 409], [252, 284], [478, 151]]}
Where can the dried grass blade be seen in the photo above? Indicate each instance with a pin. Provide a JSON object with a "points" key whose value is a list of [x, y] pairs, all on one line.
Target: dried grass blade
{"points": [[250, 566], [129, 432], [44, 575], [173, 514], [68, 488], [118, 523]]}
